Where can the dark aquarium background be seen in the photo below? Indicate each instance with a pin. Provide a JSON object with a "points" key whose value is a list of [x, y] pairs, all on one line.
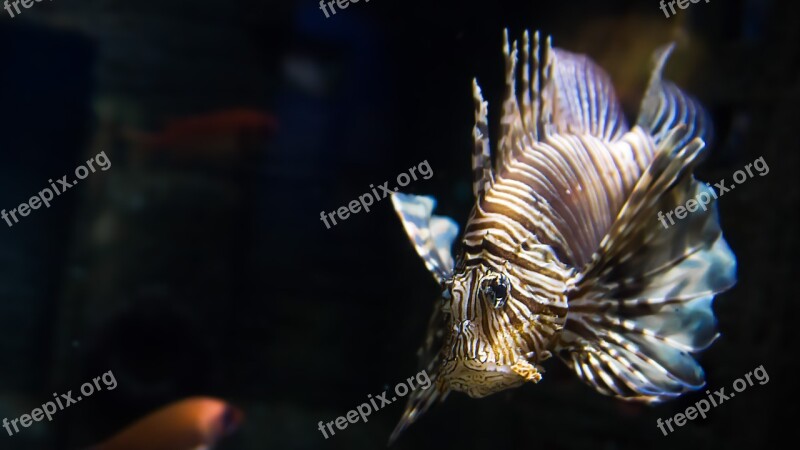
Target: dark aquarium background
{"points": [[197, 264]]}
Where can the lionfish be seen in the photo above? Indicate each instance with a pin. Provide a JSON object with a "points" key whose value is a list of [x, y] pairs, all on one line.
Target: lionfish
{"points": [[563, 252]]}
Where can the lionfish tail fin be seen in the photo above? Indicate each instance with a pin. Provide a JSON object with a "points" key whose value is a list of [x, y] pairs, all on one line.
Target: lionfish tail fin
{"points": [[643, 304]]}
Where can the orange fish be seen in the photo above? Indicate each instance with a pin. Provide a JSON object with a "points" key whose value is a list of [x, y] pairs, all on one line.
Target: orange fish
{"points": [[193, 132], [227, 122], [192, 424], [220, 137]]}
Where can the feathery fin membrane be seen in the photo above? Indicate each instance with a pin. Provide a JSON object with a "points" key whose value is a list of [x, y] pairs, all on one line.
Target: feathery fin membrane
{"points": [[432, 236], [420, 400], [558, 92], [665, 106], [644, 303]]}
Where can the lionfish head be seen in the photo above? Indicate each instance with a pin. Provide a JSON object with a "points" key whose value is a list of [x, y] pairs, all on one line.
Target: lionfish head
{"points": [[477, 341], [479, 355]]}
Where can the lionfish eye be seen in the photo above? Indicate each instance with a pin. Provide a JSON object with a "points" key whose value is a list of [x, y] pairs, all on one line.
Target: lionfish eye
{"points": [[496, 291]]}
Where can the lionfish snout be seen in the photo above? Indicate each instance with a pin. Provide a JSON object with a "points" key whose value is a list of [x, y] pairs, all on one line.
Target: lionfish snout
{"points": [[473, 366], [470, 365]]}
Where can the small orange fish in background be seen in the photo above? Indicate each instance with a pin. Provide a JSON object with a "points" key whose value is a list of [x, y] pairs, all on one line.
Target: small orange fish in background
{"points": [[179, 132], [225, 134], [191, 424]]}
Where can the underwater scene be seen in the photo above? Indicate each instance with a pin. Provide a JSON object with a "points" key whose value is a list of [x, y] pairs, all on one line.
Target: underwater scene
{"points": [[366, 224]]}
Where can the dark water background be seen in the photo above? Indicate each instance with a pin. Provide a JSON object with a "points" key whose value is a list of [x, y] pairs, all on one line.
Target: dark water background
{"points": [[204, 269]]}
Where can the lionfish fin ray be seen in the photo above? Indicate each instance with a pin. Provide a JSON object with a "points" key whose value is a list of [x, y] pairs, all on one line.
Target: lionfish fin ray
{"points": [[583, 100], [564, 137], [418, 403], [555, 91], [665, 106], [432, 236], [551, 92], [511, 121], [482, 176], [577, 185], [644, 302], [421, 400]]}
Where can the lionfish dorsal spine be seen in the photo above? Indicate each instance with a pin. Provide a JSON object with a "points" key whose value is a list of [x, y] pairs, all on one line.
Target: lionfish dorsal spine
{"points": [[552, 91], [482, 175]]}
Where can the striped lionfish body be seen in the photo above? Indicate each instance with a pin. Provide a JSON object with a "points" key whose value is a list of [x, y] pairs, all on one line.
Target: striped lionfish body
{"points": [[563, 253]]}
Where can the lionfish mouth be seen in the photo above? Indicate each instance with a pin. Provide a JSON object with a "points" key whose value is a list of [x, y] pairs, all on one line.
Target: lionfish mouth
{"points": [[479, 379]]}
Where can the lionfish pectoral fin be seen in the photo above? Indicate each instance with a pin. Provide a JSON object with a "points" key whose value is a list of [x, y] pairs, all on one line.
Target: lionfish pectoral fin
{"points": [[430, 360], [665, 106], [419, 401], [644, 302], [431, 235]]}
